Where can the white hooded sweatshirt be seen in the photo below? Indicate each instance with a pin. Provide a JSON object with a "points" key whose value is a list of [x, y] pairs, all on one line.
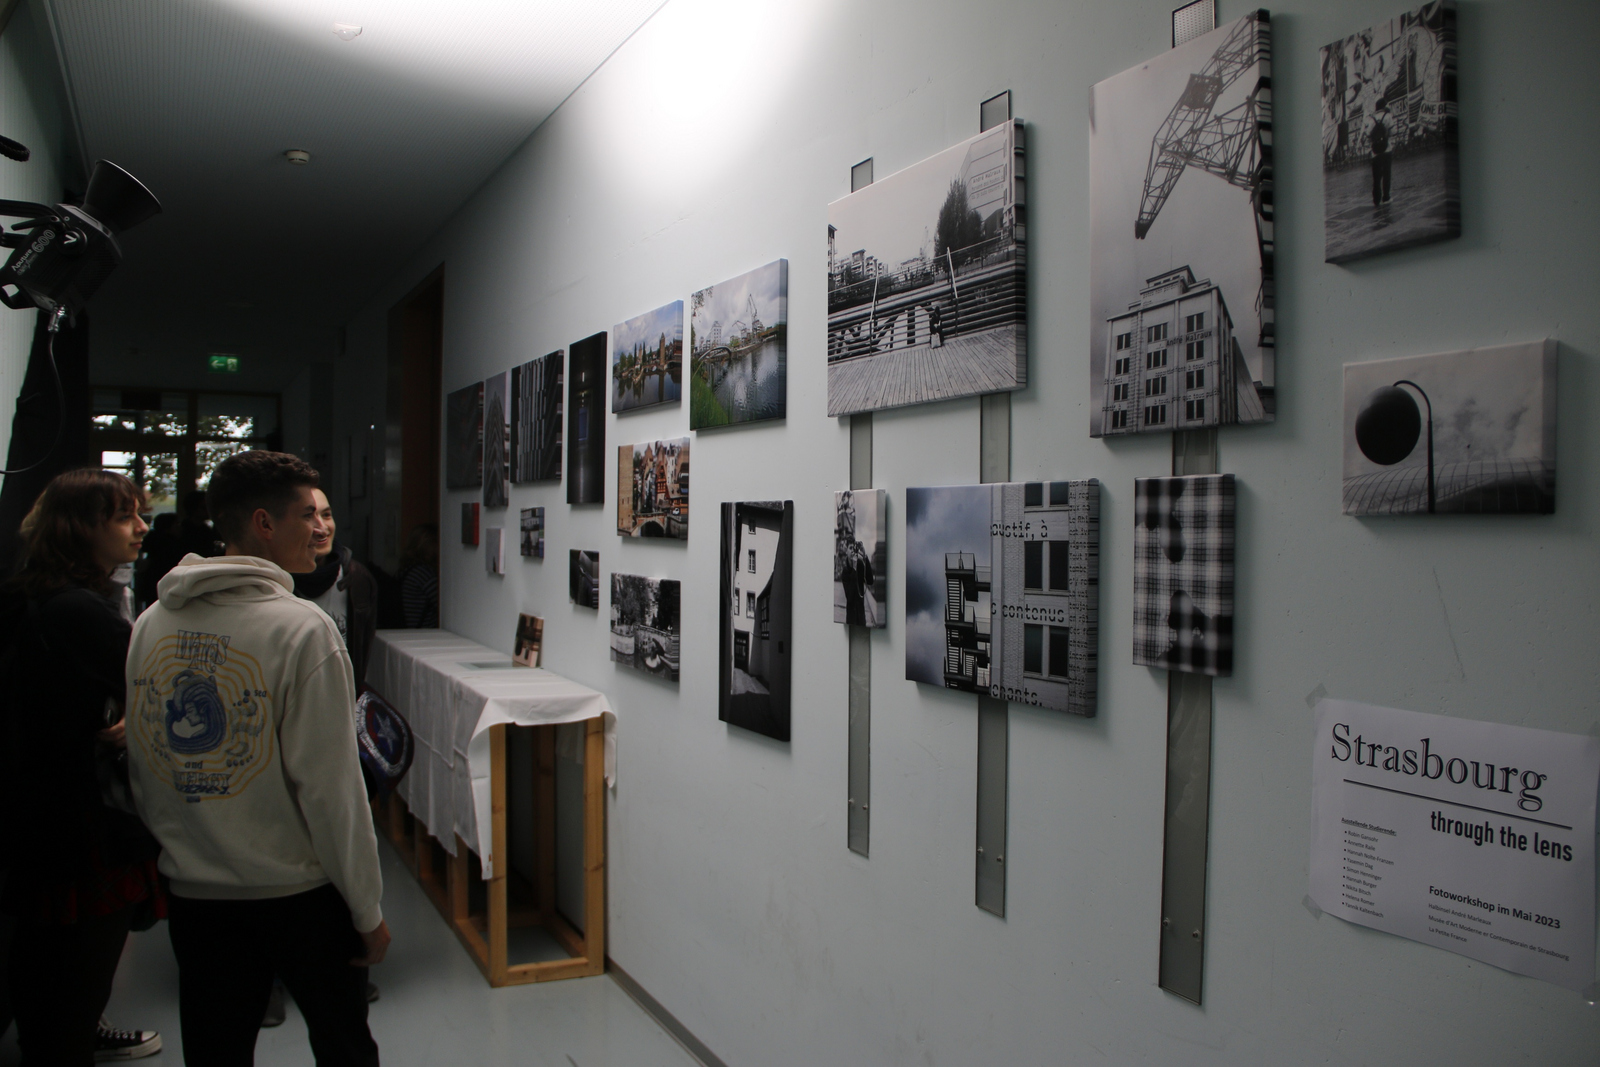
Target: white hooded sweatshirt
{"points": [[241, 740]]}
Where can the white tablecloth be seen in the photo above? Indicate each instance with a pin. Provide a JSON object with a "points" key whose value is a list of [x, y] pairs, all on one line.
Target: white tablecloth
{"points": [[440, 683]]}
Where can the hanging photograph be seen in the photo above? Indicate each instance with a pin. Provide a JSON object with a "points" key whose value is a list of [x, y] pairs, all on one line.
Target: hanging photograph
{"points": [[586, 421], [644, 624], [1470, 432], [532, 543], [536, 419], [583, 579], [653, 489], [529, 640], [1003, 591], [497, 440], [469, 523], [463, 438], [1183, 573], [928, 280], [494, 549], [1181, 290], [755, 642], [647, 359], [861, 557], [1390, 170], [739, 349]]}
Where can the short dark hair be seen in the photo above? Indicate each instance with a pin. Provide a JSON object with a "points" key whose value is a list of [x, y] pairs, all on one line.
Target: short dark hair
{"points": [[246, 481]]}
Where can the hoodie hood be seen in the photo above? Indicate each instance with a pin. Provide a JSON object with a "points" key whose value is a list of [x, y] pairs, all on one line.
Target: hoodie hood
{"points": [[223, 577]]}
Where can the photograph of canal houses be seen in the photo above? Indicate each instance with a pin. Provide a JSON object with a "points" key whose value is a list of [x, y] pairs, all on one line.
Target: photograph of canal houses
{"points": [[928, 281], [1003, 591], [755, 640], [1470, 432], [497, 440], [653, 489], [1390, 171], [586, 421], [861, 557], [739, 349], [463, 438], [1181, 290], [1183, 573], [644, 624], [583, 578], [647, 359], [532, 542], [536, 419]]}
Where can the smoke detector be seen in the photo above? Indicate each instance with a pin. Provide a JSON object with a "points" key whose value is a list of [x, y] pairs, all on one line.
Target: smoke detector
{"points": [[298, 156], [346, 32]]}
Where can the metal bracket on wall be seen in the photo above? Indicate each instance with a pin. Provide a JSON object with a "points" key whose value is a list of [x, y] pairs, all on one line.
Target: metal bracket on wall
{"points": [[858, 775], [994, 716]]}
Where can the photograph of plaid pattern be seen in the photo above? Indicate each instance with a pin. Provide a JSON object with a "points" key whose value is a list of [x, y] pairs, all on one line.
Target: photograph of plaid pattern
{"points": [[1183, 573]]}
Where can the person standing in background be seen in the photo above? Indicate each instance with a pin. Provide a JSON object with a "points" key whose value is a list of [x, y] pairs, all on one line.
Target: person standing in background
{"points": [[344, 589], [419, 577], [1382, 157]]}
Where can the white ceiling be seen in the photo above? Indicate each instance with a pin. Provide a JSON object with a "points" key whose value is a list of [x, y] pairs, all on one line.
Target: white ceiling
{"points": [[201, 98]]}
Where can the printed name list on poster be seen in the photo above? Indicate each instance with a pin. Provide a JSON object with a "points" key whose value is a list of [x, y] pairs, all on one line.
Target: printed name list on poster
{"points": [[1470, 836]]}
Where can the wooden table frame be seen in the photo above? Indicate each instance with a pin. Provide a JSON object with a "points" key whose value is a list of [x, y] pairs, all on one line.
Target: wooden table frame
{"points": [[483, 931]]}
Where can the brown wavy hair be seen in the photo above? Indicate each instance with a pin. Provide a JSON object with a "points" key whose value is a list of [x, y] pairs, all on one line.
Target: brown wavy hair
{"points": [[56, 546]]}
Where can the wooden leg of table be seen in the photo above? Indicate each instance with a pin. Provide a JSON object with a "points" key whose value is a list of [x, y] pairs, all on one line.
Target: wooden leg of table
{"points": [[544, 816], [500, 855], [456, 891], [397, 818], [594, 845], [422, 850]]}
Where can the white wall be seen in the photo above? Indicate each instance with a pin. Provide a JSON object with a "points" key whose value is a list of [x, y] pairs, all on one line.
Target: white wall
{"points": [[711, 143]]}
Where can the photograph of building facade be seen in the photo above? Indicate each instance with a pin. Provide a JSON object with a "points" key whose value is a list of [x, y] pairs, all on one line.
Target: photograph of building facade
{"points": [[861, 557], [647, 359], [586, 421], [927, 280], [645, 634], [463, 438], [497, 440], [531, 543], [536, 388], [1390, 165], [755, 638], [1183, 566], [1181, 237], [583, 578], [1003, 591], [653, 489], [739, 349]]}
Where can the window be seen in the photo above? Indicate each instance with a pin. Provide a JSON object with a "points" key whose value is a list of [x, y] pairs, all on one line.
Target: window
{"points": [[1195, 379], [750, 605], [1119, 420], [1060, 493], [169, 443], [752, 529], [1195, 322], [1155, 386], [1120, 390], [1060, 565], [1124, 365], [1153, 334], [1032, 649], [1194, 350], [1155, 415], [751, 566], [1033, 495], [1033, 564], [1155, 359], [1124, 340], [1195, 409], [1060, 651]]}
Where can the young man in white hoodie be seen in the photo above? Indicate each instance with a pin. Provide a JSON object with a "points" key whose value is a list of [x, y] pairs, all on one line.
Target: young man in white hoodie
{"points": [[243, 761]]}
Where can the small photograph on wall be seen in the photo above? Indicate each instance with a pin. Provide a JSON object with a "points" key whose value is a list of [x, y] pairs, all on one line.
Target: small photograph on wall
{"points": [[586, 421], [644, 624], [755, 638], [647, 359], [529, 640], [1003, 591], [1183, 545], [1470, 432], [739, 349], [928, 280], [463, 438], [1181, 290], [653, 489], [583, 579], [494, 549], [497, 440], [532, 542], [469, 523], [536, 419], [1390, 171], [861, 557]]}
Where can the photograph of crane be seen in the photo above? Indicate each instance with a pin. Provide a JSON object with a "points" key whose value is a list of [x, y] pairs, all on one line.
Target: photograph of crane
{"points": [[739, 349], [1181, 285]]}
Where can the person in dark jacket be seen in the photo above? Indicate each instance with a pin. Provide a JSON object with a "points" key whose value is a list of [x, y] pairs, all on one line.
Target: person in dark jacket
{"points": [[419, 577], [82, 867], [344, 589]]}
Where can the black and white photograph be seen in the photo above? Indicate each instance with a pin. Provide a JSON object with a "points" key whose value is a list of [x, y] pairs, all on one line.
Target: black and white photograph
{"points": [[1390, 165], [1470, 432], [583, 578], [531, 544], [494, 550], [928, 280], [644, 624], [463, 438], [497, 440], [739, 349], [653, 489], [861, 557], [647, 359], [755, 638], [1181, 290], [529, 641], [586, 420], [469, 522], [1003, 591], [536, 419], [1183, 565]]}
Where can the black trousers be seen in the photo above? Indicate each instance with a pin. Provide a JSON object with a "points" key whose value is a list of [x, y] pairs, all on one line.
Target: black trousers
{"points": [[228, 952], [1381, 166], [60, 981]]}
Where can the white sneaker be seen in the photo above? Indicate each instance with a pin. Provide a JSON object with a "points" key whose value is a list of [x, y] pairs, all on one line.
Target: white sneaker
{"points": [[112, 1044]]}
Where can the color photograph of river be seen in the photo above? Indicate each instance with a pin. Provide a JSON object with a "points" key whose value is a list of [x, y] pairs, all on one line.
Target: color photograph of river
{"points": [[738, 340], [647, 359]]}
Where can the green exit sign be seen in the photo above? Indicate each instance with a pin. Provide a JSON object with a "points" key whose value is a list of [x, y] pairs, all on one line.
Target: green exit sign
{"points": [[222, 363]]}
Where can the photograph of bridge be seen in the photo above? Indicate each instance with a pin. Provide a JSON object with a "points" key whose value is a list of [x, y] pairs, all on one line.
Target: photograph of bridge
{"points": [[928, 281], [644, 624], [739, 349], [1181, 290], [586, 420], [653, 489], [755, 636], [647, 359], [497, 440], [463, 438], [536, 419]]}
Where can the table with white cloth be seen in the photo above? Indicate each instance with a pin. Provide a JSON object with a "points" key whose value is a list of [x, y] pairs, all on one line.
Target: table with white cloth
{"points": [[460, 697]]}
